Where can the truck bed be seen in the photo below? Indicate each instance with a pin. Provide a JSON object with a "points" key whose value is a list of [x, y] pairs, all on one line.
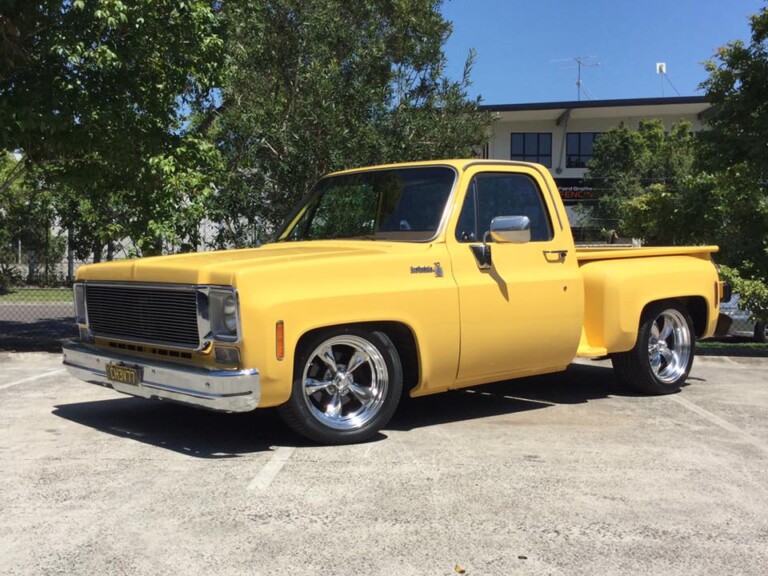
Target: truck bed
{"points": [[591, 253]]}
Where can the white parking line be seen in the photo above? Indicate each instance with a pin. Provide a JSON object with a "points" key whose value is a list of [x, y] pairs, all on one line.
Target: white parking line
{"points": [[32, 378], [264, 478], [718, 421]]}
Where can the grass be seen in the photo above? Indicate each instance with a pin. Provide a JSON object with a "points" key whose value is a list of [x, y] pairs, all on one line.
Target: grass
{"points": [[731, 347], [35, 295]]}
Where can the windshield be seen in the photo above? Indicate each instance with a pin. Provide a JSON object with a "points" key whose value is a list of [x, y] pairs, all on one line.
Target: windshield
{"points": [[404, 204]]}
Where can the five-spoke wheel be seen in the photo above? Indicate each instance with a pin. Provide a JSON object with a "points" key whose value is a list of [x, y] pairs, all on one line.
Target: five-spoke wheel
{"points": [[663, 353], [347, 385]]}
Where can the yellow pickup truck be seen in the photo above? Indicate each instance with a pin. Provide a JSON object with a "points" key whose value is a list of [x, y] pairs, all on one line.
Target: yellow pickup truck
{"points": [[400, 279]]}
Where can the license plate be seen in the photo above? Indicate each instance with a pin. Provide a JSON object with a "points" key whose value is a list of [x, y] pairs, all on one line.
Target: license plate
{"points": [[123, 374]]}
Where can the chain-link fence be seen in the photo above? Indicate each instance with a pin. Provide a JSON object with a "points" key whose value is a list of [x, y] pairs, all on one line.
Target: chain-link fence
{"points": [[36, 318], [36, 305]]}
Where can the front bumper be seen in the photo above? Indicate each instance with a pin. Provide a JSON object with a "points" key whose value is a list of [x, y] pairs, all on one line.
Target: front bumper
{"points": [[222, 390]]}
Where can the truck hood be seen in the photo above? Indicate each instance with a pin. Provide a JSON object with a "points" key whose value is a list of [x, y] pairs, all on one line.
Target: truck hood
{"points": [[224, 267]]}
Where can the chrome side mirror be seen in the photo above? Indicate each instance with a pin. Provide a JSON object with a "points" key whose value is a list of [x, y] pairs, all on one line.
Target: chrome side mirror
{"points": [[504, 229], [511, 229]]}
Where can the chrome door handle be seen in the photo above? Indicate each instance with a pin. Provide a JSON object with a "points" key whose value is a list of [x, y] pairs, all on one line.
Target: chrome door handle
{"points": [[560, 254]]}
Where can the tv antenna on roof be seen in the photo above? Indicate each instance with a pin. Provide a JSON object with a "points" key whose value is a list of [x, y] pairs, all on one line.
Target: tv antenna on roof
{"points": [[661, 69], [582, 62]]}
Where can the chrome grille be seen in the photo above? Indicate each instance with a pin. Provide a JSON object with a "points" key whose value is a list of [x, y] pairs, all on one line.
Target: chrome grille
{"points": [[144, 314]]}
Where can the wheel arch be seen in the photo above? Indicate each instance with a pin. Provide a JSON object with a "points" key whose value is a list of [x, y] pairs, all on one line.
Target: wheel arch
{"points": [[696, 307]]}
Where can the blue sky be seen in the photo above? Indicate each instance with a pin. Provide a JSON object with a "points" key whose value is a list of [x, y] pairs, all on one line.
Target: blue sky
{"points": [[524, 47]]}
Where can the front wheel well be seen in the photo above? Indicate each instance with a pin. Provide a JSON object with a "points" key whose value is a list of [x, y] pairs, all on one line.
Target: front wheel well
{"points": [[403, 339]]}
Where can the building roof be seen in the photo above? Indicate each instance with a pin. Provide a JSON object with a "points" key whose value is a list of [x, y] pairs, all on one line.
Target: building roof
{"points": [[636, 107]]}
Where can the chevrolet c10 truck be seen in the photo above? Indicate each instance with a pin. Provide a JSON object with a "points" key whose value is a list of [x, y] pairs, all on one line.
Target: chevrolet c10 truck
{"points": [[401, 279]]}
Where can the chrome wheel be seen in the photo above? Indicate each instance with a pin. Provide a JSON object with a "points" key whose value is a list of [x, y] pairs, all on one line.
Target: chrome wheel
{"points": [[345, 381], [669, 346], [662, 356]]}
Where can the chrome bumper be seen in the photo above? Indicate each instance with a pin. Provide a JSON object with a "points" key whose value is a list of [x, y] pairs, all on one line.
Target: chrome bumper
{"points": [[223, 390]]}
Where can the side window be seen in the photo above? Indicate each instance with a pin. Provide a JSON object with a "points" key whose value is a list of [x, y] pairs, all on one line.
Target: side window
{"points": [[492, 195]]}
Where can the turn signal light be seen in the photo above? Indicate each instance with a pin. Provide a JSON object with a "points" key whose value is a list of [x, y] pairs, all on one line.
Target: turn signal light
{"points": [[280, 340]]}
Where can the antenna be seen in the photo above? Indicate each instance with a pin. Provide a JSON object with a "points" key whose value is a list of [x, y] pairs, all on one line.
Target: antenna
{"points": [[661, 69], [581, 62]]}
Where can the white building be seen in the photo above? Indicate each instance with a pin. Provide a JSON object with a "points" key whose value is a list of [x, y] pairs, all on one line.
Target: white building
{"points": [[560, 135]]}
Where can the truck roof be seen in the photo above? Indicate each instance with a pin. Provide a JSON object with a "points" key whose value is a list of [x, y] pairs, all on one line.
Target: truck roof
{"points": [[460, 164]]}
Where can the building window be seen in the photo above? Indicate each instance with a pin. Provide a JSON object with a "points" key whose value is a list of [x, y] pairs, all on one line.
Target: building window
{"points": [[578, 148], [532, 147]]}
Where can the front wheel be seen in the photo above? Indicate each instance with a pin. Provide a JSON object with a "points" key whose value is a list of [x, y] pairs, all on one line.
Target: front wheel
{"points": [[346, 387], [662, 356]]}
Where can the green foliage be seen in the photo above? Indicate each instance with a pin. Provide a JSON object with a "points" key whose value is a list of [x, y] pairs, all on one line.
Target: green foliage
{"points": [[734, 149], [754, 292], [647, 177], [100, 96], [313, 86], [26, 219], [738, 89], [140, 119]]}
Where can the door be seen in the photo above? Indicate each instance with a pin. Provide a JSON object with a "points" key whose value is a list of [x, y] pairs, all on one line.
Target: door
{"points": [[524, 314]]}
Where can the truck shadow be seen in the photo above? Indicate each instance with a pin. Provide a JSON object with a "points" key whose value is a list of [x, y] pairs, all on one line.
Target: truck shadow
{"points": [[577, 385], [190, 431], [201, 434]]}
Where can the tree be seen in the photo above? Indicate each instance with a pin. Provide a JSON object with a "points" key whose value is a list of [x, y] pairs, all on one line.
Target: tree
{"points": [[648, 182], [736, 145], [313, 86], [99, 96], [26, 229]]}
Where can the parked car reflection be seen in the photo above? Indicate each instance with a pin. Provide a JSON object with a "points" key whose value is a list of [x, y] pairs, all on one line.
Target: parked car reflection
{"points": [[736, 322]]}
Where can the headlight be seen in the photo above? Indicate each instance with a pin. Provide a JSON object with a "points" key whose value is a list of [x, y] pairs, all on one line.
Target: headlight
{"points": [[230, 314], [224, 317], [79, 293]]}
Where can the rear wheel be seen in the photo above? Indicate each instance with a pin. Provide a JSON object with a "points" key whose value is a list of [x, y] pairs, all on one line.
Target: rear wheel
{"points": [[663, 354], [347, 384]]}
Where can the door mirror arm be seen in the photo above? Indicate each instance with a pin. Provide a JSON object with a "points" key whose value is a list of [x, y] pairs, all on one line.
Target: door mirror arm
{"points": [[482, 253]]}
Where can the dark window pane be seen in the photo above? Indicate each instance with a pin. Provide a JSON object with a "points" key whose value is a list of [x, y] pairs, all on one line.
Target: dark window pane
{"points": [[572, 143], [466, 227], [546, 161], [545, 144], [586, 144], [512, 195], [531, 144], [517, 144]]}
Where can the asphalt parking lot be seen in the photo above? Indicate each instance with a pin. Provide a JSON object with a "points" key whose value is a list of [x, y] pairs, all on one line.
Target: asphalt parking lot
{"points": [[564, 474]]}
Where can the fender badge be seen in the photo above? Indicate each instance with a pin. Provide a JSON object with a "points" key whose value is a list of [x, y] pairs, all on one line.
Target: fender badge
{"points": [[437, 270]]}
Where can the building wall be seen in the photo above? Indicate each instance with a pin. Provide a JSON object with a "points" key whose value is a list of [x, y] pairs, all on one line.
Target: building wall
{"points": [[499, 145], [561, 119]]}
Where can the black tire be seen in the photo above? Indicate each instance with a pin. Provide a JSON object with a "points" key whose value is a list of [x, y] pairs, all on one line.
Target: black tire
{"points": [[663, 354], [333, 404], [760, 332]]}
